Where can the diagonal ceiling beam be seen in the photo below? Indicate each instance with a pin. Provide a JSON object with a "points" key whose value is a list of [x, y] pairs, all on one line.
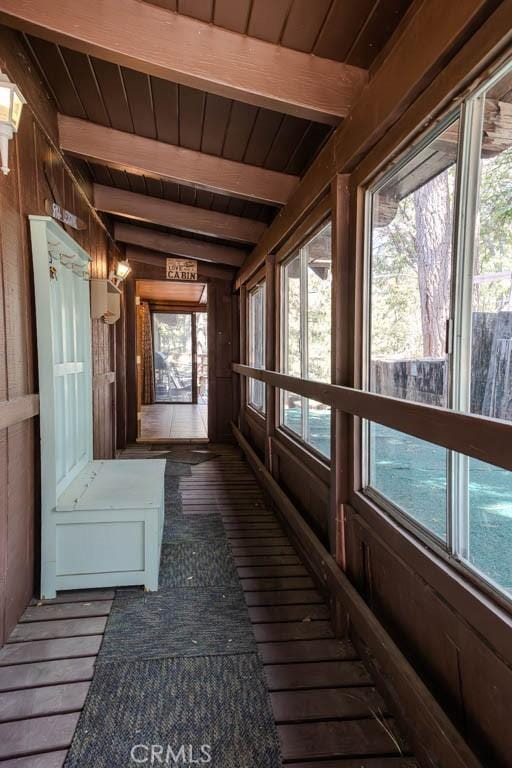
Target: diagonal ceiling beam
{"points": [[156, 159], [178, 246], [176, 215], [178, 48]]}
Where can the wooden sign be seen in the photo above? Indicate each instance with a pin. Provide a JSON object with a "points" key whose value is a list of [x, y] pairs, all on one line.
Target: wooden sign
{"points": [[181, 269], [66, 217]]}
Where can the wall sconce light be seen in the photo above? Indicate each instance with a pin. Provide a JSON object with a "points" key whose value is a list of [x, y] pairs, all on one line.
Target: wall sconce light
{"points": [[11, 104], [121, 271]]}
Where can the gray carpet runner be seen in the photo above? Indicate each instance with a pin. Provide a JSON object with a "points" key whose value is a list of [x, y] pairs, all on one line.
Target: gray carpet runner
{"points": [[179, 669]]}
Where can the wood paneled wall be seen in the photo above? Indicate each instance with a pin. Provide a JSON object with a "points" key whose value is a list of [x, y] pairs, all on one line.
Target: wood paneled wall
{"points": [[38, 173]]}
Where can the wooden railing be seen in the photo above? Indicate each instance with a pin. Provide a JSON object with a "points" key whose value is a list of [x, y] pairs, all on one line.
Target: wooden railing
{"points": [[18, 409], [482, 438]]}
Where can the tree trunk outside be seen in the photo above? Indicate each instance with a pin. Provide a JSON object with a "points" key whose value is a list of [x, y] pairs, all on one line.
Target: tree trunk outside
{"points": [[433, 218]]}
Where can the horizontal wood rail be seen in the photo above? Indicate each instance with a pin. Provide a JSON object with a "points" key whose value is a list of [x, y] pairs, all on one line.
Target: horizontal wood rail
{"points": [[431, 731], [102, 379], [18, 409], [481, 438]]}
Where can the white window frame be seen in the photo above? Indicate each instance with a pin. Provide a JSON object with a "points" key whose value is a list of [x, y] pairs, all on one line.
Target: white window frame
{"points": [[259, 288], [301, 253]]}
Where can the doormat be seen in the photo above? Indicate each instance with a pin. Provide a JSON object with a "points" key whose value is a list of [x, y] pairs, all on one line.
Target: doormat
{"points": [[214, 707], [186, 455], [177, 622], [201, 528], [192, 563]]}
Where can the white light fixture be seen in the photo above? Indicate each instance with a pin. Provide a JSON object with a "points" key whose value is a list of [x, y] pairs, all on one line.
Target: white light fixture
{"points": [[123, 269], [11, 104]]}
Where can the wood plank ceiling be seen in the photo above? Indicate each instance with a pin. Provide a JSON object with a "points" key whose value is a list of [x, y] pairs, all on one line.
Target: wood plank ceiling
{"points": [[160, 290], [107, 94]]}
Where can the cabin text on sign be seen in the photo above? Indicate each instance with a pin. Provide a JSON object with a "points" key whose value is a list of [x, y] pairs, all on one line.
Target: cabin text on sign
{"points": [[181, 269]]}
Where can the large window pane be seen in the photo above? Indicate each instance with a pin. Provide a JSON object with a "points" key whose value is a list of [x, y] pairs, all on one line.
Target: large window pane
{"points": [[486, 508], [412, 473], [317, 256], [490, 522], [256, 349], [410, 303], [306, 336]]}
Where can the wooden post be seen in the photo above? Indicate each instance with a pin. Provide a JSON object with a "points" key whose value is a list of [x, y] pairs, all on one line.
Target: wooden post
{"points": [[131, 362], [339, 364], [270, 354], [194, 357], [243, 356], [120, 369]]}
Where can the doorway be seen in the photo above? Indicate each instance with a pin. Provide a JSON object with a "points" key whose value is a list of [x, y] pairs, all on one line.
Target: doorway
{"points": [[173, 362]]}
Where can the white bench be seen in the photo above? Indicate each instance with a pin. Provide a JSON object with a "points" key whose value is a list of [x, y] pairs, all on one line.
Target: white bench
{"points": [[101, 521]]}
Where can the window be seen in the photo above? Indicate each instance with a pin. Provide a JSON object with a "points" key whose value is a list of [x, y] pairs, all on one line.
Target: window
{"points": [[409, 306], [306, 337], [483, 318], [439, 326], [256, 356]]}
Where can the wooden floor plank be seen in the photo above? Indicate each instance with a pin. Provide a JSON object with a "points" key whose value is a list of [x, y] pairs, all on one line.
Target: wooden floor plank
{"points": [[243, 550], [283, 613], [253, 531], [320, 674], [286, 597], [67, 611], [49, 700], [259, 571], [307, 650], [349, 738], [77, 596], [46, 673], [291, 582], [326, 704], [39, 734], [293, 630], [46, 650], [45, 630], [267, 560], [44, 760]]}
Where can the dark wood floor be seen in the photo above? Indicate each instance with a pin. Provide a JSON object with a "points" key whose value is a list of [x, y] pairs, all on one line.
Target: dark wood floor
{"points": [[45, 672], [326, 708]]}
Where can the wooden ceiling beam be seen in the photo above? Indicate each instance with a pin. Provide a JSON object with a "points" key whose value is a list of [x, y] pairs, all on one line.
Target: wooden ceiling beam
{"points": [[148, 265], [174, 245], [413, 83], [176, 215], [184, 50], [156, 159]]}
